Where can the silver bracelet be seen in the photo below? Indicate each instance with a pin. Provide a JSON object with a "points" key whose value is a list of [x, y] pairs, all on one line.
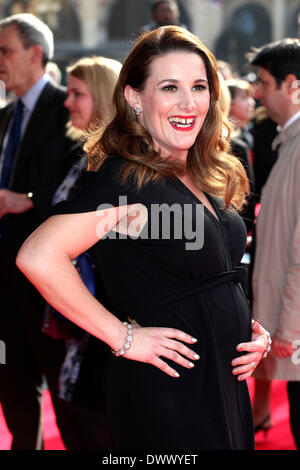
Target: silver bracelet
{"points": [[127, 345]]}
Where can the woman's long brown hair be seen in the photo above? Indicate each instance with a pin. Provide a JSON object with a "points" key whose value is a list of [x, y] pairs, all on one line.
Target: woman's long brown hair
{"points": [[209, 163]]}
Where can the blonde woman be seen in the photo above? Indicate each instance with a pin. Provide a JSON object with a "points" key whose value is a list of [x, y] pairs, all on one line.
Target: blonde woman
{"points": [[91, 82]]}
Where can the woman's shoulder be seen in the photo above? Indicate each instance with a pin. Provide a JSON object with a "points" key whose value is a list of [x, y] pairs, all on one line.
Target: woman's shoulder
{"points": [[109, 175], [111, 167], [100, 187]]}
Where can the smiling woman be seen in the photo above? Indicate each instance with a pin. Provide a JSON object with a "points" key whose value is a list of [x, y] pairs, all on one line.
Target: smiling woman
{"points": [[177, 312], [172, 70], [175, 101]]}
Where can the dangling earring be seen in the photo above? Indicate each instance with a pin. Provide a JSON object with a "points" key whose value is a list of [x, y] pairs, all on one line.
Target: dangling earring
{"points": [[137, 110]]}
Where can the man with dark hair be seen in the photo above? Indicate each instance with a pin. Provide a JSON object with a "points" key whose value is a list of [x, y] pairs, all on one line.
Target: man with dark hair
{"points": [[276, 276], [33, 150], [163, 13], [280, 59]]}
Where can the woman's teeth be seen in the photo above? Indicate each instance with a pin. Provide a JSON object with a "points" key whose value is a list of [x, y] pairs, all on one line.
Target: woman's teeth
{"points": [[181, 122]]}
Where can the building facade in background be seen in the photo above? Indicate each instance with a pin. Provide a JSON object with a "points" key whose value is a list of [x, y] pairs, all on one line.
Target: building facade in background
{"points": [[229, 27]]}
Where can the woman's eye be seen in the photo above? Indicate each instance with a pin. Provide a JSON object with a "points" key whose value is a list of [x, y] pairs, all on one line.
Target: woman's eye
{"points": [[169, 88], [199, 87], [173, 88], [77, 94]]}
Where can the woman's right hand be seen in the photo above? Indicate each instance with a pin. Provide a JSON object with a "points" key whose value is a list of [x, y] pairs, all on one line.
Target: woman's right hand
{"points": [[151, 344]]}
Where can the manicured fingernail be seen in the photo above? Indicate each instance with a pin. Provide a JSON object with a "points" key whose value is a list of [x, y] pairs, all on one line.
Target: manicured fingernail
{"points": [[239, 346], [191, 364], [194, 340], [176, 374], [234, 363], [196, 356]]}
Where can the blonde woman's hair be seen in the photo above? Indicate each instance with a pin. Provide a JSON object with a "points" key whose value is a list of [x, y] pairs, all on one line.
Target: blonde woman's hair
{"points": [[100, 75], [238, 84]]}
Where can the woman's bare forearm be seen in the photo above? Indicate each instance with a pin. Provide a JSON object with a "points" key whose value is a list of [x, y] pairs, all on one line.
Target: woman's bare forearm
{"points": [[57, 280]]}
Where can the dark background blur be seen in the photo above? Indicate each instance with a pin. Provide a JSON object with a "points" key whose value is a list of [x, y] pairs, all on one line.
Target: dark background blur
{"points": [[107, 27]]}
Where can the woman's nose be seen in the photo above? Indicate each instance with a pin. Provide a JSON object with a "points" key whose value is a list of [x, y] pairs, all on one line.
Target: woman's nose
{"points": [[187, 101], [67, 102]]}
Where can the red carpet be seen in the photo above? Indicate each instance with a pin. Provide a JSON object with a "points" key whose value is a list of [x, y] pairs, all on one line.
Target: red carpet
{"points": [[51, 434], [278, 438]]}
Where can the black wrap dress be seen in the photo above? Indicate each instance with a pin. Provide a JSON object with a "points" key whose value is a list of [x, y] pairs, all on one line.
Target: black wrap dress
{"points": [[160, 278]]}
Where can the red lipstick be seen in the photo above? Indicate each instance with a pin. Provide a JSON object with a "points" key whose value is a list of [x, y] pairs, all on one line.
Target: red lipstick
{"points": [[182, 123]]}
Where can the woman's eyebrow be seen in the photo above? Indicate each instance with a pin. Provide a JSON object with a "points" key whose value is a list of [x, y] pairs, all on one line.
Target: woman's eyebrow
{"points": [[173, 80]]}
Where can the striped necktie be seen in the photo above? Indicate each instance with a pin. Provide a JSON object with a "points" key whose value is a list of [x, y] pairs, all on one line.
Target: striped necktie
{"points": [[9, 159]]}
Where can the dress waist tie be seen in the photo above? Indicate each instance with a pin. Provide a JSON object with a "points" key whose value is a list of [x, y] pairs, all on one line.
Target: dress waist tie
{"points": [[236, 274]]}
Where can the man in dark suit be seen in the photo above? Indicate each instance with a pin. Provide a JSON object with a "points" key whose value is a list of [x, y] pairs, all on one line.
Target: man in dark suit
{"points": [[33, 150]]}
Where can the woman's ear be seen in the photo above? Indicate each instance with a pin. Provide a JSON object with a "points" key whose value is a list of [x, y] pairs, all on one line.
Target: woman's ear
{"points": [[132, 96]]}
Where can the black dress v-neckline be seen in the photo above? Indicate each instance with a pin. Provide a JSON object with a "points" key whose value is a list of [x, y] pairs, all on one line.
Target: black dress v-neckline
{"points": [[193, 195]]}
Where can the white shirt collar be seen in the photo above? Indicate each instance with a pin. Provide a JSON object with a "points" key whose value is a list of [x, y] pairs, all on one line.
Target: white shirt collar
{"points": [[290, 121]]}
